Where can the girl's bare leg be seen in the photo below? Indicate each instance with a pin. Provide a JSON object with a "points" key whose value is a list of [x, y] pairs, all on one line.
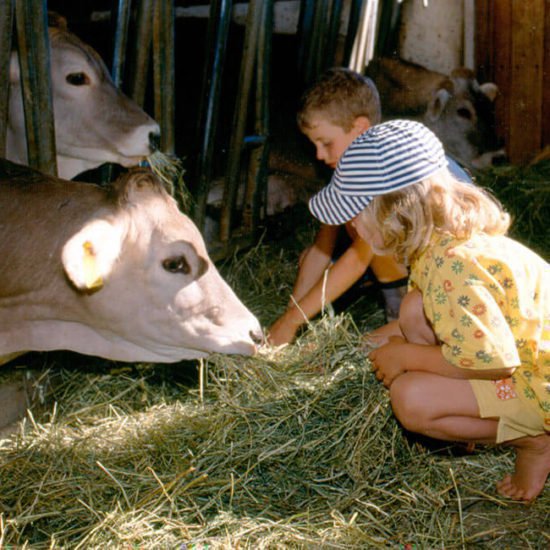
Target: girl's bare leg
{"points": [[446, 409]]}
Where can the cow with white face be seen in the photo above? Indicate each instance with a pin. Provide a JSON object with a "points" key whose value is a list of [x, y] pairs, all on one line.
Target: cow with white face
{"points": [[94, 121], [116, 272]]}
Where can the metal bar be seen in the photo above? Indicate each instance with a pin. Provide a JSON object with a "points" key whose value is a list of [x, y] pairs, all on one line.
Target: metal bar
{"points": [[332, 34], [388, 29], [6, 29], [120, 16], [34, 60], [317, 56], [239, 117], [363, 46], [256, 191], [216, 44], [164, 72], [120, 23], [305, 30], [137, 77], [353, 24], [313, 35]]}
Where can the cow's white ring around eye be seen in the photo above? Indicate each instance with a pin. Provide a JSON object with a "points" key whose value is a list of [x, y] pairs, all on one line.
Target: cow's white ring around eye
{"points": [[176, 264], [78, 79]]}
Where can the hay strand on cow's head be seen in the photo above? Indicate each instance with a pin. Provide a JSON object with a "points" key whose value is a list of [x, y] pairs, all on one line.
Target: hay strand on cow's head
{"points": [[170, 170]]}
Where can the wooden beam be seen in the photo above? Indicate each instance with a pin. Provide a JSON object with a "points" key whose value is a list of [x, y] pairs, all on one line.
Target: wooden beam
{"points": [[527, 57], [546, 78], [501, 41]]}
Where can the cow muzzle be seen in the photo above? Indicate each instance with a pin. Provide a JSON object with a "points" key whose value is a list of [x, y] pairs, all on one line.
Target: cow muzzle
{"points": [[154, 141]]}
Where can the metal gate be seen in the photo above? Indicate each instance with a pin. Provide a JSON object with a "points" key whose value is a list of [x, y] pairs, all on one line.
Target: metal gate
{"points": [[154, 20]]}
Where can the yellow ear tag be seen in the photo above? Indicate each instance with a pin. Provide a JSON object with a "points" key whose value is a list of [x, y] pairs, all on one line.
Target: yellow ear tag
{"points": [[91, 275]]}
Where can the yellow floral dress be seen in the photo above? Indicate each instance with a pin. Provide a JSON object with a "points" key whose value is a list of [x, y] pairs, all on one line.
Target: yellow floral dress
{"points": [[488, 301]]}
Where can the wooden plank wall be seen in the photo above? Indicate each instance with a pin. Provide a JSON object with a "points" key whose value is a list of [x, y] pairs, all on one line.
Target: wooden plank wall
{"points": [[513, 50]]}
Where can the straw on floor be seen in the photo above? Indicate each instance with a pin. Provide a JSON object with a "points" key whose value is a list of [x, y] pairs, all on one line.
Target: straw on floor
{"points": [[293, 448]]}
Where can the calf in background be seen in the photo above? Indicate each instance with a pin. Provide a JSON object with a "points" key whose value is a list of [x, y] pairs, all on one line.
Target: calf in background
{"points": [[458, 109]]}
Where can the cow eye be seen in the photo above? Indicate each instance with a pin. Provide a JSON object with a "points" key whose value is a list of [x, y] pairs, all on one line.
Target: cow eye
{"points": [[464, 113], [177, 264], [78, 79]]}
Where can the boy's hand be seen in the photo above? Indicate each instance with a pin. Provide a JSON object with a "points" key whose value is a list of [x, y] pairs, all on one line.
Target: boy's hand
{"points": [[283, 330], [388, 360]]}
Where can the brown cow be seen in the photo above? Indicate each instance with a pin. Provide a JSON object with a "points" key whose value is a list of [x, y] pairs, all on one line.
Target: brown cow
{"points": [[94, 121], [116, 272], [456, 107]]}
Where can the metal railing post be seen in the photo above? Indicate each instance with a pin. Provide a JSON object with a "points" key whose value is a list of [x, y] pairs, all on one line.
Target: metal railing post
{"points": [[137, 77], [239, 118], [218, 30], [164, 72], [256, 189], [34, 59]]}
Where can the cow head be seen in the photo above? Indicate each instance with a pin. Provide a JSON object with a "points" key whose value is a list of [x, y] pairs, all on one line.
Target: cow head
{"points": [[461, 113], [94, 121], [151, 290]]}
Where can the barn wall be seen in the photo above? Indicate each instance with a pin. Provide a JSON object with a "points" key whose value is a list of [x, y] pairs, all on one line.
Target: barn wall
{"points": [[432, 35], [513, 50]]}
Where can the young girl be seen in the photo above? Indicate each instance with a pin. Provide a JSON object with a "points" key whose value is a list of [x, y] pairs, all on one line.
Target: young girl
{"points": [[468, 360]]}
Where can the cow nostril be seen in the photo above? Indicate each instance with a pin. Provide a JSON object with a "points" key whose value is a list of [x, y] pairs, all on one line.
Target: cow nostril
{"points": [[257, 336], [154, 141]]}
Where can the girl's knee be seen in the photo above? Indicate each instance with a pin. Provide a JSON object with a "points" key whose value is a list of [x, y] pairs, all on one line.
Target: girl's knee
{"points": [[408, 401]]}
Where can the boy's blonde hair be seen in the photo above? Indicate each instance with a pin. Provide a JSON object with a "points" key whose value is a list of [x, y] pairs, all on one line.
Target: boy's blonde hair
{"points": [[407, 218], [341, 96]]}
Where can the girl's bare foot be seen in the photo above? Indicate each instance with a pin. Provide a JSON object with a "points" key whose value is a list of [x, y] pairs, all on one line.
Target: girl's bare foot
{"points": [[532, 469]]}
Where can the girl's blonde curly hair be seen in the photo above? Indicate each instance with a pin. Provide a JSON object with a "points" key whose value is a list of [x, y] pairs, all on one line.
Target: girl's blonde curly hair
{"points": [[408, 218]]}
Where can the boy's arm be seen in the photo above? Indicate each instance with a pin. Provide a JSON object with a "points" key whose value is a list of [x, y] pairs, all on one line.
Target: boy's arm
{"points": [[340, 277], [399, 356], [315, 261]]}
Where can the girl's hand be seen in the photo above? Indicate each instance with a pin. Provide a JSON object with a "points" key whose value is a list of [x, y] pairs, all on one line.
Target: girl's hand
{"points": [[388, 361], [381, 335]]}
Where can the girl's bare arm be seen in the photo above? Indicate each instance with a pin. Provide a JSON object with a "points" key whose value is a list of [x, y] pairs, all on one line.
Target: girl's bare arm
{"points": [[399, 356]]}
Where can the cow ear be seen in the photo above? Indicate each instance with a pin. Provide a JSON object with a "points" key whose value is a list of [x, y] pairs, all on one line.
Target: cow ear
{"points": [[57, 21], [89, 256], [437, 104], [14, 69], [490, 89]]}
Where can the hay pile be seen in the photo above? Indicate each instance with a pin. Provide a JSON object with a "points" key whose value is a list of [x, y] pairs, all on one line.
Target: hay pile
{"points": [[290, 449], [295, 449]]}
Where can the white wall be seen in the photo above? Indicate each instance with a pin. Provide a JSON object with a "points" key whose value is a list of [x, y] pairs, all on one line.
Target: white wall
{"points": [[432, 33]]}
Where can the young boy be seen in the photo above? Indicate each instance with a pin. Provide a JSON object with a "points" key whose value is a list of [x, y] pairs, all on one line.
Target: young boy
{"points": [[338, 108], [469, 358]]}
